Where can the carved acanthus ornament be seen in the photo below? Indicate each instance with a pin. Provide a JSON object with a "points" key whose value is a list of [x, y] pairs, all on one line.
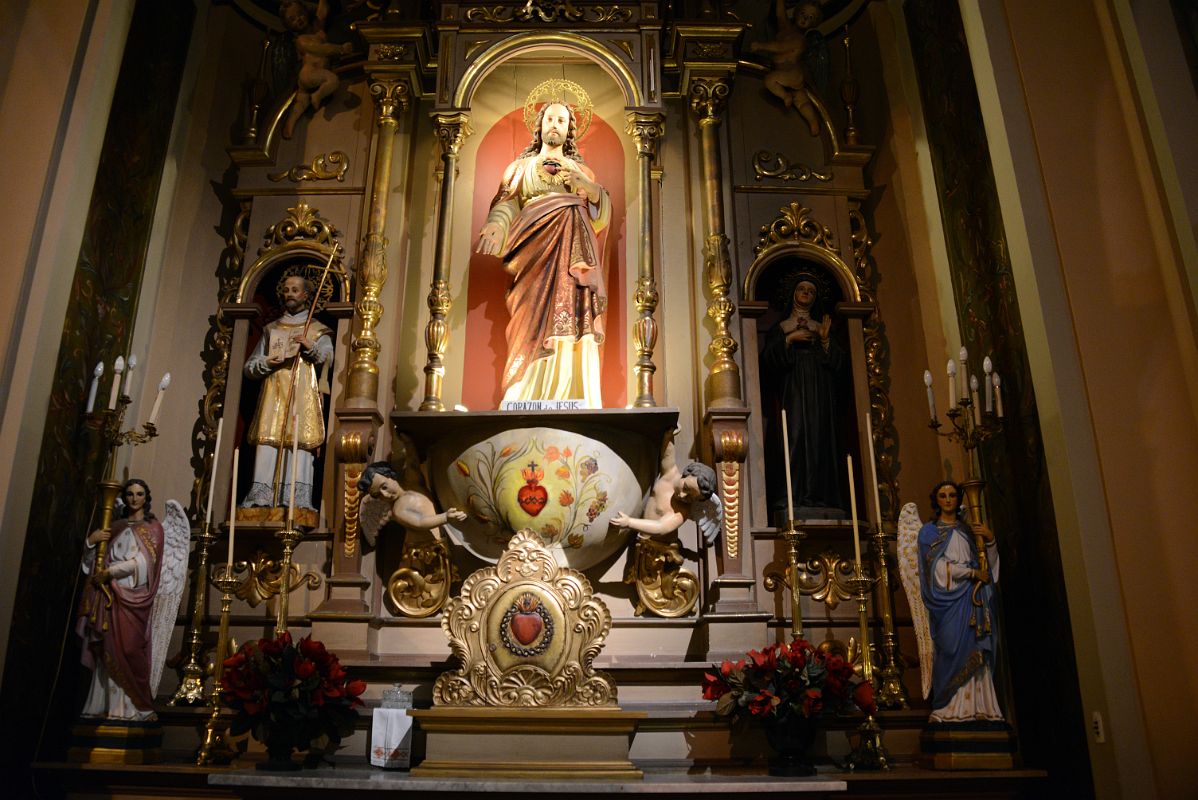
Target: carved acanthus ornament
{"points": [[795, 223], [717, 265], [265, 579], [451, 131], [420, 586], [302, 222], [325, 167], [526, 633], [390, 52], [663, 587], [776, 165]]}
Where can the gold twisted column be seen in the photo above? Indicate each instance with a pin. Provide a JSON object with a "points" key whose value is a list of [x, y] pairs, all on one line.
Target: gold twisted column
{"points": [[452, 130], [362, 384], [646, 128], [708, 100]]}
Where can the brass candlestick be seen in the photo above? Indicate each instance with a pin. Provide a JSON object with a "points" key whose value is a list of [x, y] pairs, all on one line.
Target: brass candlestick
{"points": [[891, 692], [191, 688], [794, 538], [290, 535], [870, 753], [214, 750]]}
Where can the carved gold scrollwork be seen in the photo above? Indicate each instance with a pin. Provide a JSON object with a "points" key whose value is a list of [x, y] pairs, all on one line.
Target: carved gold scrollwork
{"points": [[548, 11], [611, 14], [825, 578], [718, 268], [709, 49], [489, 14], [302, 222], [663, 587], [795, 223], [420, 586], [325, 167], [776, 165], [625, 47], [265, 579], [525, 633], [709, 97]]}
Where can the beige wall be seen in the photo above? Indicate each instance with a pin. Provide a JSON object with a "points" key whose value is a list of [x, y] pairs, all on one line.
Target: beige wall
{"points": [[1097, 266], [62, 60]]}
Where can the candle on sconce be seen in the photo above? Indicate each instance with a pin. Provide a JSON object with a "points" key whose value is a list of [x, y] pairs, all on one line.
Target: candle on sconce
{"points": [[973, 395], [117, 370], [790, 501], [212, 474], [91, 393], [952, 384], [129, 365], [963, 357], [927, 381], [162, 384], [988, 369], [997, 394], [853, 508], [232, 512], [294, 460]]}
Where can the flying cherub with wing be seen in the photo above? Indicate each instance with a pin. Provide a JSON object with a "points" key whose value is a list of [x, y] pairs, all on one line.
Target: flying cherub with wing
{"points": [[678, 495], [402, 498]]}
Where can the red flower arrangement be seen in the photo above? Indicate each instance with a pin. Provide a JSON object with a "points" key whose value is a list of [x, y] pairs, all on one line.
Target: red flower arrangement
{"points": [[784, 681], [290, 697]]}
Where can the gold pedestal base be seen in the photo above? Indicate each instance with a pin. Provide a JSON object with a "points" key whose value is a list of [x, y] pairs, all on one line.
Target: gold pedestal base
{"points": [[110, 741], [518, 743], [968, 745]]}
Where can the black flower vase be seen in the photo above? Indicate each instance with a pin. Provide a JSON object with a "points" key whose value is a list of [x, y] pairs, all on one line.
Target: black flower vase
{"points": [[278, 756], [791, 739]]}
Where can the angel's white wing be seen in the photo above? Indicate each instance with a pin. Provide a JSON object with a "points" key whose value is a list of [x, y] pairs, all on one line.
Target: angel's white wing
{"points": [[373, 514], [176, 535], [709, 516], [908, 560]]}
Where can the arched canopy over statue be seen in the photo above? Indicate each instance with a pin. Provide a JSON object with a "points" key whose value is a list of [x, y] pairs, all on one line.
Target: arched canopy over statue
{"points": [[544, 223]]}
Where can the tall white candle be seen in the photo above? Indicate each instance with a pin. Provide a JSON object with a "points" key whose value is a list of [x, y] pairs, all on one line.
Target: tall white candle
{"points": [[91, 393], [964, 357], [853, 509], [997, 394], [988, 369], [117, 370], [927, 381], [129, 365], [212, 473], [294, 460], [873, 469], [790, 500], [973, 395], [952, 384], [162, 384], [232, 511]]}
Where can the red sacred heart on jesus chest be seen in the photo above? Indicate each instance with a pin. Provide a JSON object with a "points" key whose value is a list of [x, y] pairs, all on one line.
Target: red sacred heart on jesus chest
{"points": [[527, 623], [532, 497]]}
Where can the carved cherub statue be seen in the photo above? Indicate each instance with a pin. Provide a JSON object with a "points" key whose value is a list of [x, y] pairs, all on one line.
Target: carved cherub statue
{"points": [[678, 495], [789, 80], [387, 500], [316, 81]]}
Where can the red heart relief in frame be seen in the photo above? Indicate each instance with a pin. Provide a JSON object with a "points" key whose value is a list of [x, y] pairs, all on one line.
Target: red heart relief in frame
{"points": [[526, 623], [532, 497]]}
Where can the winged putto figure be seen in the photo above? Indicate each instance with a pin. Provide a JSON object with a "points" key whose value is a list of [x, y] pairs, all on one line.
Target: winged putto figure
{"points": [[130, 602], [953, 606]]}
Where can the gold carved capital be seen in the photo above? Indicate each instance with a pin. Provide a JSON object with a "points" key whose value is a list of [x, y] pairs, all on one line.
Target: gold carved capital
{"points": [[663, 587], [451, 131], [390, 96], [709, 97], [646, 129], [525, 633]]}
